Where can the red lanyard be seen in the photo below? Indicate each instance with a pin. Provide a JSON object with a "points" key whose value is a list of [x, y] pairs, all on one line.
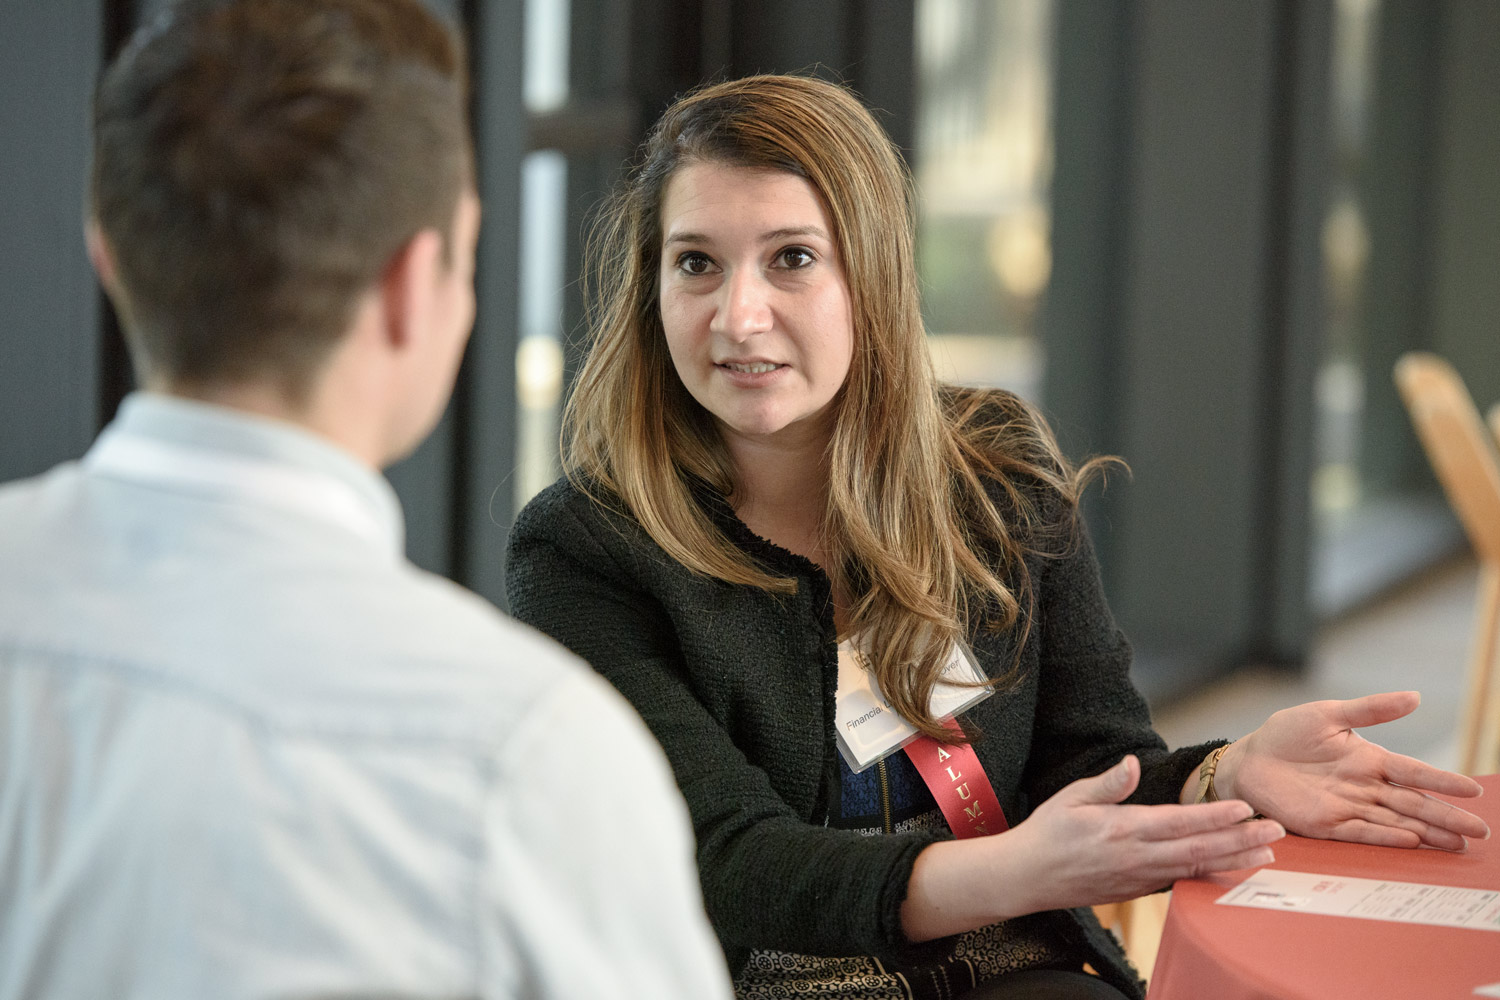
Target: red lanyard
{"points": [[960, 786]]}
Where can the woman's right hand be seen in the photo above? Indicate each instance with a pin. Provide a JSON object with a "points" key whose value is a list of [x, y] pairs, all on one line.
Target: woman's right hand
{"points": [[1080, 847], [1094, 850]]}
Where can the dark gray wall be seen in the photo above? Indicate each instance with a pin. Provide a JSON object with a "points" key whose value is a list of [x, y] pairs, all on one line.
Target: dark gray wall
{"points": [[49, 306], [1466, 204], [1184, 311], [1399, 189]]}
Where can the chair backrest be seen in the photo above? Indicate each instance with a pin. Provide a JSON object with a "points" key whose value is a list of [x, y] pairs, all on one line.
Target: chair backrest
{"points": [[1461, 449]]}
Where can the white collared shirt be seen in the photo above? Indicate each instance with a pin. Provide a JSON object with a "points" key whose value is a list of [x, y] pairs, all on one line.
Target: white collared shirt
{"points": [[250, 751]]}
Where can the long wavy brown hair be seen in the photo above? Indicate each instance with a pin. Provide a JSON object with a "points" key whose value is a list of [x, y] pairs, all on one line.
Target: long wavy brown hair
{"points": [[919, 545]]}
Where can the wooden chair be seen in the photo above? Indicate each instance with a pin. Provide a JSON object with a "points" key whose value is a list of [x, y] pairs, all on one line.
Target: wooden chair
{"points": [[1463, 454]]}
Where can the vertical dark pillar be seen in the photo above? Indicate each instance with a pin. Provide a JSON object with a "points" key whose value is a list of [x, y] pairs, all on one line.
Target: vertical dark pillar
{"points": [[868, 44], [424, 482], [1466, 203], [1081, 315], [600, 74], [1398, 195], [487, 394], [1193, 316], [49, 300], [1283, 620], [790, 36], [883, 35]]}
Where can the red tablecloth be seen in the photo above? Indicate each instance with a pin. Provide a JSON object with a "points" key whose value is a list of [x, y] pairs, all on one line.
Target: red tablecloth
{"points": [[1211, 952]]}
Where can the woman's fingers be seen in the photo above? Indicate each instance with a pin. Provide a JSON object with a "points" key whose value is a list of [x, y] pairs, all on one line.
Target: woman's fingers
{"points": [[1414, 773], [1220, 850], [1374, 709], [1425, 833], [1173, 822], [1444, 840], [1096, 851], [1358, 831], [1434, 812], [1159, 860], [1254, 857]]}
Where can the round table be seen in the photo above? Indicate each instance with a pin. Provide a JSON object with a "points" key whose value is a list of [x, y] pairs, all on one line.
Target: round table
{"points": [[1212, 952]]}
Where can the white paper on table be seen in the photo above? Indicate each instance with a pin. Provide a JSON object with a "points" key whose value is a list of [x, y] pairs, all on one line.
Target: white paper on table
{"points": [[1492, 990], [1370, 898]]}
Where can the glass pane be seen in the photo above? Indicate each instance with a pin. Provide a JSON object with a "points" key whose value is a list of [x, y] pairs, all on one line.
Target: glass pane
{"points": [[539, 356], [546, 55], [1376, 519], [983, 172], [1337, 484], [543, 242]]}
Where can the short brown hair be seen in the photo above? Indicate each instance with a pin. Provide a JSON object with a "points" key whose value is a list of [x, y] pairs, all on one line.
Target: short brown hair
{"points": [[257, 164]]}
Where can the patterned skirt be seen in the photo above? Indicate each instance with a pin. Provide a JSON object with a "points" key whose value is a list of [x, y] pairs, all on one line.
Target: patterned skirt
{"points": [[977, 957], [902, 804]]}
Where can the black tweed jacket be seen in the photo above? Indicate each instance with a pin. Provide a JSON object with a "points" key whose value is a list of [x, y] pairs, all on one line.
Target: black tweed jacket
{"points": [[738, 686]]}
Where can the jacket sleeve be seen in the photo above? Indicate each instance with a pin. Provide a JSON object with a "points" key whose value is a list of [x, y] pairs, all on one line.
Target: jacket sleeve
{"points": [[770, 878], [1088, 713]]}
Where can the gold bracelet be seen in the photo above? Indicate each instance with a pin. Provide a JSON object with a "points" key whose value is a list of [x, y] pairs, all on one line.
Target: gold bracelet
{"points": [[1206, 792]]}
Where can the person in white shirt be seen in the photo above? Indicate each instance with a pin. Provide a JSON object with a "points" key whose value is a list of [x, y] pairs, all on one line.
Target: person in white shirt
{"points": [[246, 749]]}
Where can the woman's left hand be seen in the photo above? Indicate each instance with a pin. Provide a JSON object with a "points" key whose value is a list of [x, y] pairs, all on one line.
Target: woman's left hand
{"points": [[1307, 768]]}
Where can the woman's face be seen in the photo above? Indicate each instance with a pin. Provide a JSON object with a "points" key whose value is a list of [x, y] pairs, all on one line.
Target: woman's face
{"points": [[754, 301]]}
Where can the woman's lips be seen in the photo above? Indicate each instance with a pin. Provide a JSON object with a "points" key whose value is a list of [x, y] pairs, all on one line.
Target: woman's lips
{"points": [[750, 374], [750, 367]]}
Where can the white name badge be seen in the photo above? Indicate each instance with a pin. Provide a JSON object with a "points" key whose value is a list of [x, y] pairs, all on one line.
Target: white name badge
{"points": [[869, 730]]}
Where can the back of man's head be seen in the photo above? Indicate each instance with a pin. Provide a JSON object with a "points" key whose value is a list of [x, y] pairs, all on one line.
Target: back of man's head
{"points": [[257, 164]]}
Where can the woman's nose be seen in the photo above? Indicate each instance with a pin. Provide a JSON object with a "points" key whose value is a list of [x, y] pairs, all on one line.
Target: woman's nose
{"points": [[744, 307]]}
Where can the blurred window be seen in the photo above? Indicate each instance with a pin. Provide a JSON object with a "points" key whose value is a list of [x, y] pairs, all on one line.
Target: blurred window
{"points": [[1338, 486], [543, 242], [983, 169]]}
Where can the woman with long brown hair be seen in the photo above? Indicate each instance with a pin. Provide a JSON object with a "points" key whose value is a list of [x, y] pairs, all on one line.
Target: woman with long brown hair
{"points": [[799, 556]]}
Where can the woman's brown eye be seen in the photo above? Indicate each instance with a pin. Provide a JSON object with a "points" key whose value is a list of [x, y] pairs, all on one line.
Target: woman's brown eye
{"points": [[693, 263]]}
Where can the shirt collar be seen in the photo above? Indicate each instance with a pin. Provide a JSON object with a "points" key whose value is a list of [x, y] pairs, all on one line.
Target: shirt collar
{"points": [[184, 443]]}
